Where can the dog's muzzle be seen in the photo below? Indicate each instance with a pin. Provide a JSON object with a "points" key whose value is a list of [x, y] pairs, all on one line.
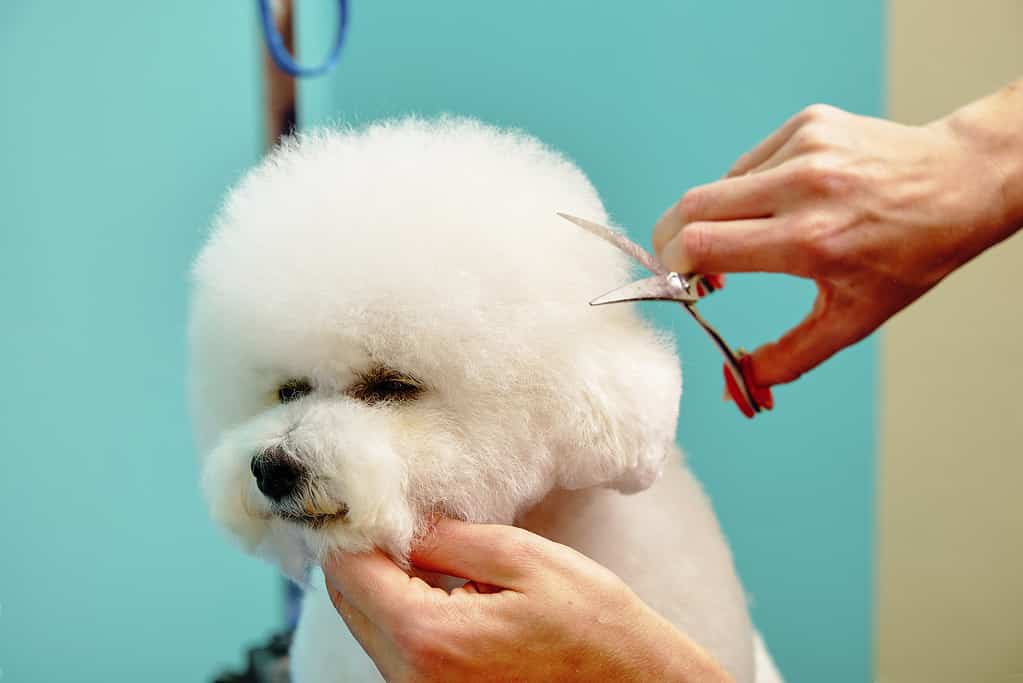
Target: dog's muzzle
{"points": [[281, 478]]}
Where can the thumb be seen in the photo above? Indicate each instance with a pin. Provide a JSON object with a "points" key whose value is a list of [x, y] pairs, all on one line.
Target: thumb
{"points": [[492, 554], [829, 328]]}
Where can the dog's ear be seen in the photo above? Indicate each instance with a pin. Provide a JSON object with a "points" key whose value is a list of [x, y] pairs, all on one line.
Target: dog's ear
{"points": [[624, 395]]}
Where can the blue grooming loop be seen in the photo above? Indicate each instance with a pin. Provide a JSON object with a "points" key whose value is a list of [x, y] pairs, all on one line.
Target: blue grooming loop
{"points": [[284, 59]]}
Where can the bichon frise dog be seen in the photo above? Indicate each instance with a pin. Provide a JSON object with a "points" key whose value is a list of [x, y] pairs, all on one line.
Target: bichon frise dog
{"points": [[392, 324]]}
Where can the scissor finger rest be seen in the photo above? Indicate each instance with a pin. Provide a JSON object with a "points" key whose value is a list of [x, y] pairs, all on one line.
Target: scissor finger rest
{"points": [[685, 291], [750, 397]]}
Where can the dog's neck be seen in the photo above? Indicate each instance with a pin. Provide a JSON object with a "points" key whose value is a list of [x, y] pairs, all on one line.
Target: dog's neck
{"points": [[585, 519], [558, 515]]}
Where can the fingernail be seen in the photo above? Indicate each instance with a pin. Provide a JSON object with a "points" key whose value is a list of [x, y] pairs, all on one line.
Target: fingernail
{"points": [[674, 257], [666, 227]]}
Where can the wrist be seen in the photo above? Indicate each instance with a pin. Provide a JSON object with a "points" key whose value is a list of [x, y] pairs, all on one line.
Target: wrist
{"points": [[991, 132]]}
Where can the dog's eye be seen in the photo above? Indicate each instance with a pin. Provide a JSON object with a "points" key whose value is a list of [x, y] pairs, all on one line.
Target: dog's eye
{"points": [[293, 389], [380, 387], [393, 389]]}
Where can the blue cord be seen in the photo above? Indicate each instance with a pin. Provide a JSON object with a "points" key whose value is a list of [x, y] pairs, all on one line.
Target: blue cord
{"points": [[280, 53]]}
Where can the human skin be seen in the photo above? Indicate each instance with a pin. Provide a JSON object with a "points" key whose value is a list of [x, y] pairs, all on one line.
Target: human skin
{"points": [[877, 213], [533, 610]]}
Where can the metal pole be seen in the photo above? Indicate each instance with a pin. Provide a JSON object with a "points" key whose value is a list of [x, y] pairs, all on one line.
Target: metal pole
{"points": [[279, 106]]}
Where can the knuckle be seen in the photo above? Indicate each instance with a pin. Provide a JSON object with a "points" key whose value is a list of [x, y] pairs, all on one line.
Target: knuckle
{"points": [[812, 137], [817, 112], [696, 242], [822, 176], [816, 240], [838, 183], [811, 172], [809, 227]]}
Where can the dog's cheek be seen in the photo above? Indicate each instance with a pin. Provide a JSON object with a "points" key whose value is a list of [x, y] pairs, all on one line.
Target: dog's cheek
{"points": [[430, 455], [362, 457]]}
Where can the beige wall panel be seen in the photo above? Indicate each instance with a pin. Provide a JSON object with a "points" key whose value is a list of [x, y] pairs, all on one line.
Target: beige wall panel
{"points": [[950, 518]]}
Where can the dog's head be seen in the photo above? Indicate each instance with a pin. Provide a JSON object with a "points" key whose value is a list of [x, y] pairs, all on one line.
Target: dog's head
{"points": [[392, 324]]}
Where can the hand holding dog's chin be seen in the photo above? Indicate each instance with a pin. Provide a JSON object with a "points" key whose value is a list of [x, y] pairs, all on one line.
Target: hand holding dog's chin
{"points": [[533, 610]]}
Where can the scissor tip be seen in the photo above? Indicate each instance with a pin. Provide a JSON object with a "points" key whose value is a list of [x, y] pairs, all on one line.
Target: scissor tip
{"points": [[569, 217], [597, 229]]}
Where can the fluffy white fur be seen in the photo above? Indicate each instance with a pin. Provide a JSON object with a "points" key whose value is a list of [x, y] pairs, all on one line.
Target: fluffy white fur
{"points": [[432, 249]]}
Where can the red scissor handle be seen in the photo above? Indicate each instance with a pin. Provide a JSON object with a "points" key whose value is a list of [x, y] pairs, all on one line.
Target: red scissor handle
{"points": [[705, 284], [761, 396]]}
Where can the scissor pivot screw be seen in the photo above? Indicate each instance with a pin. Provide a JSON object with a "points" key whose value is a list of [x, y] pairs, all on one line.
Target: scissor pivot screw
{"points": [[677, 282]]}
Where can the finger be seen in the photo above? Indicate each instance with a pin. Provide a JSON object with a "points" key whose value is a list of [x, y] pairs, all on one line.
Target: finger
{"points": [[370, 637], [667, 226], [788, 151], [766, 149], [759, 245], [752, 196], [829, 328], [491, 554], [372, 583]]}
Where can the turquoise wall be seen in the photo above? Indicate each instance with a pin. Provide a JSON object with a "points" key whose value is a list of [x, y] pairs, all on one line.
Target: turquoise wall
{"points": [[121, 123], [650, 98]]}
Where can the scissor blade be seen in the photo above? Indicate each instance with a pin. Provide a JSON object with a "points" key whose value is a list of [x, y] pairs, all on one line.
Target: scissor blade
{"points": [[668, 287], [619, 240]]}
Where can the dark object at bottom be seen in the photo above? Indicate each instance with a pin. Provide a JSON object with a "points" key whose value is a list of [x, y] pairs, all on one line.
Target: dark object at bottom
{"points": [[267, 663]]}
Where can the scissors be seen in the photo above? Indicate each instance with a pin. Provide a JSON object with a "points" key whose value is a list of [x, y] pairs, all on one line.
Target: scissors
{"points": [[685, 290]]}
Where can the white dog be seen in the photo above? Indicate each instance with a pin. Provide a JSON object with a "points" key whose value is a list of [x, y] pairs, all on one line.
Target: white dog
{"points": [[392, 324]]}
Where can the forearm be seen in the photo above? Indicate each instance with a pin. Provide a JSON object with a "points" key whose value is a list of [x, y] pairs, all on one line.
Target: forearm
{"points": [[992, 128]]}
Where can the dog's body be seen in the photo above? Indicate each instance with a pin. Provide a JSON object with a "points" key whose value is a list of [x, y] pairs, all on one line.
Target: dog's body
{"points": [[392, 324]]}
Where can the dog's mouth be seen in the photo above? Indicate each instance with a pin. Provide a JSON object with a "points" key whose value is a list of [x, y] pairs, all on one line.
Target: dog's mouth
{"points": [[314, 520]]}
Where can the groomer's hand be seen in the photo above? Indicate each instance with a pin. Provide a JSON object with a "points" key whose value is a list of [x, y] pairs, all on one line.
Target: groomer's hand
{"points": [[875, 212], [534, 610]]}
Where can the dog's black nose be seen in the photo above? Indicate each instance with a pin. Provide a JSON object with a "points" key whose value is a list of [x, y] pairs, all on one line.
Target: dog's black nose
{"points": [[277, 473]]}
